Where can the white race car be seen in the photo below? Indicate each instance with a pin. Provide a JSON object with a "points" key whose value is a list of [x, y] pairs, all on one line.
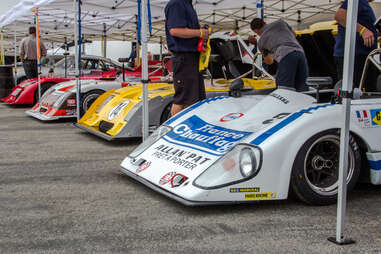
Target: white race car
{"points": [[228, 149]]}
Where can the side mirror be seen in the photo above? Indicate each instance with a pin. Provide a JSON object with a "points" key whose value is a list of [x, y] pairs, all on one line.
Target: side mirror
{"points": [[235, 88]]}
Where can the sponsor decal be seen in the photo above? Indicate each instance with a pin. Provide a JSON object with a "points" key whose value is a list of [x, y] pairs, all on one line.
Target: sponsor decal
{"points": [[16, 91], [117, 109], [70, 111], [264, 195], [250, 189], [179, 157], [71, 102], [174, 178], [196, 132], [178, 179], [143, 167], [376, 117], [369, 119], [277, 117], [230, 117], [166, 178], [280, 97]]}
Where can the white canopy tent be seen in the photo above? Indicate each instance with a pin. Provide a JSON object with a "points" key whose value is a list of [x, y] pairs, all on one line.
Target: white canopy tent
{"points": [[119, 17]]}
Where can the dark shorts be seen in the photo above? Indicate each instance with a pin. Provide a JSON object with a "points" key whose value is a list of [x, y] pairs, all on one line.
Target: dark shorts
{"points": [[30, 68], [188, 82], [293, 72]]}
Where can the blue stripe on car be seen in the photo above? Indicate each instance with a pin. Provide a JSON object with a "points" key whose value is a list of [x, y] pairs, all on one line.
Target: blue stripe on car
{"points": [[185, 111], [261, 138], [375, 165]]}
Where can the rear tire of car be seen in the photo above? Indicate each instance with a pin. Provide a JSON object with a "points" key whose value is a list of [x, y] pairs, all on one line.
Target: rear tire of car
{"points": [[44, 88], [166, 113], [89, 98], [314, 177]]}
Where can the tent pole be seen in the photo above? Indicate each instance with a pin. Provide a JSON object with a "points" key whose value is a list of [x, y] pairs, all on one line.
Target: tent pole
{"points": [[261, 16], [15, 42], [2, 47], [137, 44], [65, 55], [161, 48], [104, 40], [38, 54], [144, 69], [77, 57], [83, 45], [349, 53]]}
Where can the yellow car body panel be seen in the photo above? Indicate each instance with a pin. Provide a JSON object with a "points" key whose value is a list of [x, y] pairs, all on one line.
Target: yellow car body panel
{"points": [[104, 106]]}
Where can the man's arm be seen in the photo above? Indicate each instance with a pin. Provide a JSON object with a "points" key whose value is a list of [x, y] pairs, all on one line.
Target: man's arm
{"points": [[367, 35], [268, 59], [183, 32]]}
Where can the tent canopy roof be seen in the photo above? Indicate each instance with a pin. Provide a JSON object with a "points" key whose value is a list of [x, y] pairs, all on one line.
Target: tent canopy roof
{"points": [[118, 17]]}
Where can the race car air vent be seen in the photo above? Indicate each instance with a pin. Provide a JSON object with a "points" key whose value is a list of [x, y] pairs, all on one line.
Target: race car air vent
{"points": [[105, 126]]}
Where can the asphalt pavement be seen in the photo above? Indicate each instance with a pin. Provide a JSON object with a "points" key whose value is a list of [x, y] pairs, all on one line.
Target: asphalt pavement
{"points": [[61, 192]]}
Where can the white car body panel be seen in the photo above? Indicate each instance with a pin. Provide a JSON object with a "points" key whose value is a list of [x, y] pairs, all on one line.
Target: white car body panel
{"points": [[279, 124]]}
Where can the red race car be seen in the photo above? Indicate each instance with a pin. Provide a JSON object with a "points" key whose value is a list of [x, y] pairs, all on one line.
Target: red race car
{"points": [[26, 93]]}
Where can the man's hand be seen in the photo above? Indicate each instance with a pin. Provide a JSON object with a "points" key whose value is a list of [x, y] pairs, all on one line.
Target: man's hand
{"points": [[268, 59], [368, 38], [205, 33]]}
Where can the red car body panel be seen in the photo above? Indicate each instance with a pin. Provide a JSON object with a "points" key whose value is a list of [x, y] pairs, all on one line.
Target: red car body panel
{"points": [[23, 93]]}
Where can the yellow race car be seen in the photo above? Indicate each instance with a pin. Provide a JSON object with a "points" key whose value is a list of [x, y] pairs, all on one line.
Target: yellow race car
{"points": [[117, 114]]}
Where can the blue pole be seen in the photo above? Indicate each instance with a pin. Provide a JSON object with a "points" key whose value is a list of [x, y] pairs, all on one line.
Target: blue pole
{"points": [[79, 60]]}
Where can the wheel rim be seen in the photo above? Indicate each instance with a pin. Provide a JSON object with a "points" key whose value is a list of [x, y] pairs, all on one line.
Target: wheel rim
{"points": [[89, 100], [321, 165]]}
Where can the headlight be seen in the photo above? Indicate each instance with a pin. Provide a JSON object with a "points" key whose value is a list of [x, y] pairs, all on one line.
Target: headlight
{"points": [[155, 136], [247, 162], [117, 109], [240, 164]]}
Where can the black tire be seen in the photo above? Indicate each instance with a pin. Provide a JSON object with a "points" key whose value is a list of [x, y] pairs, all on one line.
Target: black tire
{"points": [[314, 177], [44, 88], [88, 99], [166, 113]]}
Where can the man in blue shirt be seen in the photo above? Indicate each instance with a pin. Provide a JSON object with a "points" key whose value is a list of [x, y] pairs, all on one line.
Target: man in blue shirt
{"points": [[182, 33], [365, 38]]}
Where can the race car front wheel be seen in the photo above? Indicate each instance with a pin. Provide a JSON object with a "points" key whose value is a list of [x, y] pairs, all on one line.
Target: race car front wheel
{"points": [[315, 172], [89, 98]]}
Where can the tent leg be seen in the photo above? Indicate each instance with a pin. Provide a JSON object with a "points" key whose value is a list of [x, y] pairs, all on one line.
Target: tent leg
{"points": [[104, 53], [77, 61], [349, 53], [145, 117], [15, 60]]}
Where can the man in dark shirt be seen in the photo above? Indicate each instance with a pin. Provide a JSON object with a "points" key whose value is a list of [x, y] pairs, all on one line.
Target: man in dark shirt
{"points": [[183, 32], [277, 41], [365, 38]]}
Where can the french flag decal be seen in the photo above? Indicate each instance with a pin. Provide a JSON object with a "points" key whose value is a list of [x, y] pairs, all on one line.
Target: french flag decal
{"points": [[363, 118]]}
